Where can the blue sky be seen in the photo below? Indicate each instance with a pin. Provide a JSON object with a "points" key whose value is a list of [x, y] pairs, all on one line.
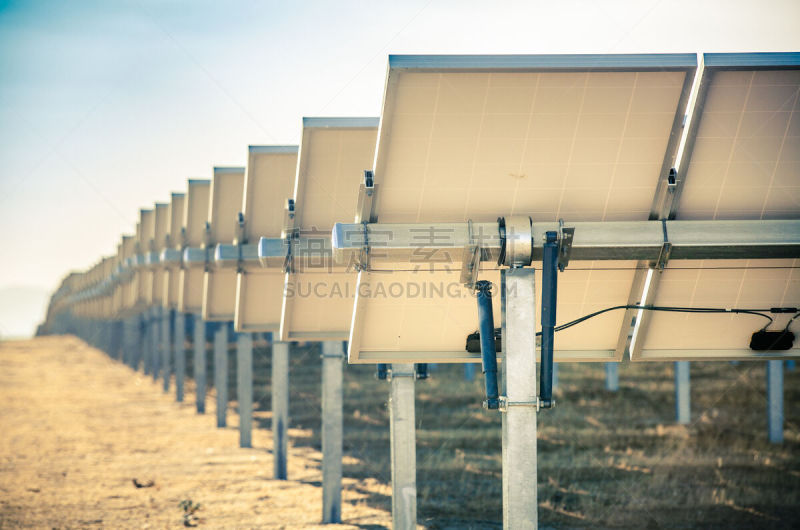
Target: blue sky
{"points": [[106, 107]]}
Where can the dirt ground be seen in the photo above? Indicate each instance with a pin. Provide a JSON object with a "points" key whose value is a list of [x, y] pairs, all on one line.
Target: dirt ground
{"points": [[77, 427], [76, 430]]}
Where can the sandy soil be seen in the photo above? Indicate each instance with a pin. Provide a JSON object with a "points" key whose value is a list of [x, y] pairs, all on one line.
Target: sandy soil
{"points": [[77, 428]]}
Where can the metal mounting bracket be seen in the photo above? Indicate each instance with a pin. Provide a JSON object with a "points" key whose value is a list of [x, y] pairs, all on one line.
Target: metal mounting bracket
{"points": [[362, 261], [288, 233], [505, 404], [565, 237], [239, 230], [366, 199], [516, 232], [470, 260], [666, 248]]}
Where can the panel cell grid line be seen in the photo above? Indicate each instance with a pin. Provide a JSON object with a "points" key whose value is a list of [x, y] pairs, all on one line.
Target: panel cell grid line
{"points": [[190, 296], [318, 295], [581, 138], [219, 285], [745, 165], [269, 182]]}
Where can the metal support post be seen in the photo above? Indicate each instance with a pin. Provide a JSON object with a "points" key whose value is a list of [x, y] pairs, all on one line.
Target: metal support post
{"points": [[244, 387], [117, 339], [402, 425], [146, 343], [775, 401], [612, 377], [555, 377], [199, 364], [155, 342], [180, 354], [683, 407], [332, 358], [280, 407], [519, 391], [166, 346], [221, 374], [469, 371]]}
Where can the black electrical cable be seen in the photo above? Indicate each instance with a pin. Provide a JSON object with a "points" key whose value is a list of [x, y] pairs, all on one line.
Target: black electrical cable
{"points": [[706, 310], [790, 322]]}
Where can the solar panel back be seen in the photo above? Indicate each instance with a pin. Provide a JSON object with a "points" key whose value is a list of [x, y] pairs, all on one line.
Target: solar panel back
{"points": [[219, 285], [268, 185], [745, 164], [190, 296], [174, 241], [318, 296], [476, 137]]}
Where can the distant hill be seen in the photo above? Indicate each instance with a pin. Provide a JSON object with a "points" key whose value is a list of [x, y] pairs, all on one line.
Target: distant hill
{"points": [[22, 308]]}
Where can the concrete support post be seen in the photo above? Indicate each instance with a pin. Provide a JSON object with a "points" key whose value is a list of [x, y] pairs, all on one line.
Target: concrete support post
{"points": [[280, 407], [221, 374], [520, 391], [199, 364], [244, 387], [332, 358], [402, 425], [180, 354], [612, 377], [775, 401], [683, 403]]}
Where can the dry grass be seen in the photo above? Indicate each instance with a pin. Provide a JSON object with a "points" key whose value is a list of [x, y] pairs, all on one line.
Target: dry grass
{"points": [[605, 459]]}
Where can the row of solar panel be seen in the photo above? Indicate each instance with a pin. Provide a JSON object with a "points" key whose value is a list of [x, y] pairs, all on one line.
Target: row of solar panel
{"points": [[583, 138]]}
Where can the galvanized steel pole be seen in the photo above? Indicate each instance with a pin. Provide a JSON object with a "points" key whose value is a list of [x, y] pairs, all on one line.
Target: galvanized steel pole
{"points": [[199, 364], [332, 358], [280, 407], [775, 401], [403, 447], [519, 390], [683, 407], [180, 354], [244, 387], [612, 377], [166, 347], [221, 374]]}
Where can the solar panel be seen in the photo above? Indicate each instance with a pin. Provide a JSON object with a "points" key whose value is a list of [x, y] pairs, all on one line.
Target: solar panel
{"points": [[142, 284], [743, 162], [319, 292], [584, 138], [157, 245], [174, 241], [120, 283], [268, 184], [219, 285], [126, 290], [190, 296]]}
